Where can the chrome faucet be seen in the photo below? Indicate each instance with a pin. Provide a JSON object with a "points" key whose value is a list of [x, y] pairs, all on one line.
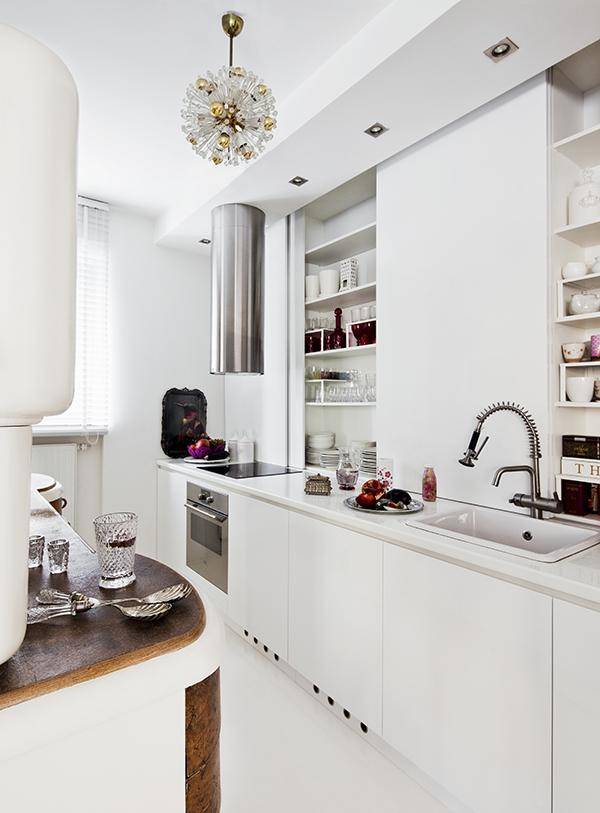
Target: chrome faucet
{"points": [[534, 501]]}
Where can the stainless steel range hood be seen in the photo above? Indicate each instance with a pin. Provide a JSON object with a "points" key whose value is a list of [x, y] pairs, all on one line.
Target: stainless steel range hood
{"points": [[238, 247]]}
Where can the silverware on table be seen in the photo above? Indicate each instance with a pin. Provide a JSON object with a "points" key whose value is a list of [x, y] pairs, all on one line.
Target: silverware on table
{"points": [[139, 612], [171, 594]]}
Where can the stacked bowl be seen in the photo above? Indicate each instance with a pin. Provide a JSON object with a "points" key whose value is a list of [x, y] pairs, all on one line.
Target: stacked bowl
{"points": [[316, 444]]}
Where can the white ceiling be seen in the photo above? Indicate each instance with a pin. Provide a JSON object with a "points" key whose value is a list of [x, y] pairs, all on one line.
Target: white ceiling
{"points": [[132, 59]]}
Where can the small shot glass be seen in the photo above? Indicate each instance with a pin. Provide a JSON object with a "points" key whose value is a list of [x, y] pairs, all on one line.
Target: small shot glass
{"points": [[58, 555], [36, 550]]}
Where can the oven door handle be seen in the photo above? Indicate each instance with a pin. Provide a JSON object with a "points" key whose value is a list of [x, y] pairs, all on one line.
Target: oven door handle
{"points": [[214, 518]]}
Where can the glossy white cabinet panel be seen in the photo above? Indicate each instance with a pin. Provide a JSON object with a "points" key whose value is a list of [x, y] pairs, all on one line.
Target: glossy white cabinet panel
{"points": [[467, 682], [170, 519], [258, 570], [576, 708], [335, 614]]}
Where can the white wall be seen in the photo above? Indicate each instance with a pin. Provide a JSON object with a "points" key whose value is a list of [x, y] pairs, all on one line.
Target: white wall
{"points": [[159, 338], [258, 404], [462, 295]]}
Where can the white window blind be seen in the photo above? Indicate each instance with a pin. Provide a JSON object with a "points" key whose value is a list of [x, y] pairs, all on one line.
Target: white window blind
{"points": [[89, 410]]}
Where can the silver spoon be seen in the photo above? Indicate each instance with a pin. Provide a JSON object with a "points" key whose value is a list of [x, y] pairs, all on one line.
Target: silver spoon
{"points": [[171, 594], [140, 612]]}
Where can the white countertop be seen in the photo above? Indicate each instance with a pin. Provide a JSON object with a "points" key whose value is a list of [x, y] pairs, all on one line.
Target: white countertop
{"points": [[574, 579]]}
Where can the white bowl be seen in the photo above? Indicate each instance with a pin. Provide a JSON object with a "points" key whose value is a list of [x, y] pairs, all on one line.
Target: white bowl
{"points": [[321, 442]]}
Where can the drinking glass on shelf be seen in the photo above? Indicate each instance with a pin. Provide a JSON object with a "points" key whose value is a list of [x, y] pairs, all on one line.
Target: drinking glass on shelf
{"points": [[355, 315], [373, 312], [115, 544]]}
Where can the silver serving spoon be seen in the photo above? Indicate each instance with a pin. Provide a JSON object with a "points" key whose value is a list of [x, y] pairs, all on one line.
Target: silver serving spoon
{"points": [[140, 612], [167, 594]]}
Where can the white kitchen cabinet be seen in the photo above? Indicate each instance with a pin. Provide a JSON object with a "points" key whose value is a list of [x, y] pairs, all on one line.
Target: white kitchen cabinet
{"points": [[576, 708], [170, 519], [467, 688], [335, 614], [258, 570]]}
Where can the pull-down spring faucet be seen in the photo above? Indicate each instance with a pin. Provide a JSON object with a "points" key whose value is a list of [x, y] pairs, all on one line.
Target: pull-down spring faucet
{"points": [[534, 501]]}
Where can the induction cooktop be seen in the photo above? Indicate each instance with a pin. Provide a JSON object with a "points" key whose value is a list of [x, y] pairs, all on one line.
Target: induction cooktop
{"points": [[241, 471]]}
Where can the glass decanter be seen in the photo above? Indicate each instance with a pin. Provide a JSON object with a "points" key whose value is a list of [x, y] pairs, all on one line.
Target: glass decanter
{"points": [[347, 470]]}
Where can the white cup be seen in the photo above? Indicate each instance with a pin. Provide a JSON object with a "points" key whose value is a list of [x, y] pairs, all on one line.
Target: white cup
{"points": [[574, 269], [311, 285], [330, 281], [580, 389]]}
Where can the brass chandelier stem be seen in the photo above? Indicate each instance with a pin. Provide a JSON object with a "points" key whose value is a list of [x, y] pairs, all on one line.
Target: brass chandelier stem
{"points": [[232, 25]]}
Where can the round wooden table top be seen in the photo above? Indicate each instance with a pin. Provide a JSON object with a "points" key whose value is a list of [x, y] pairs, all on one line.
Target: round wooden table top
{"points": [[69, 650]]}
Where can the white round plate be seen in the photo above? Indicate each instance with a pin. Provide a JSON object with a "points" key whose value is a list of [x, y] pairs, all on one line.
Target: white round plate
{"points": [[413, 507], [204, 462]]}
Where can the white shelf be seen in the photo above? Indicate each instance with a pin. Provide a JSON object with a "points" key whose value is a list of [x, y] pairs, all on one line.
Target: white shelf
{"points": [[586, 282], [345, 299], [568, 364], [348, 245], [341, 403], [581, 320], [583, 148], [577, 405], [359, 350], [579, 477], [584, 236]]}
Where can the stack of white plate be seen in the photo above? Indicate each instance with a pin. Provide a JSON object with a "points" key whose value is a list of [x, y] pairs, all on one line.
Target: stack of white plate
{"points": [[330, 458], [316, 443], [368, 460]]}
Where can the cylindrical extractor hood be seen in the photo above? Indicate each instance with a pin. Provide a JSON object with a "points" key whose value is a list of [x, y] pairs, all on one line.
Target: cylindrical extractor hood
{"points": [[238, 247]]}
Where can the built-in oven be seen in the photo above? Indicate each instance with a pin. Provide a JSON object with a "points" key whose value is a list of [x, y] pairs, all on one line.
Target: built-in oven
{"points": [[207, 534]]}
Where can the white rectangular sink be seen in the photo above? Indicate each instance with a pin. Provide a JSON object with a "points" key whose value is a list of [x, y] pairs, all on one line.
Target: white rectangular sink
{"points": [[543, 540]]}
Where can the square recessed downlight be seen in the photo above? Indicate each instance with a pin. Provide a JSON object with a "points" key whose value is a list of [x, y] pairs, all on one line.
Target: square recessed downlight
{"points": [[377, 129], [298, 180], [502, 49], [205, 241]]}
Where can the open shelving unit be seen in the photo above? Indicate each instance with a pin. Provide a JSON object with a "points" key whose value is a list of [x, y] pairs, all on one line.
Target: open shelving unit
{"points": [[340, 225], [575, 146]]}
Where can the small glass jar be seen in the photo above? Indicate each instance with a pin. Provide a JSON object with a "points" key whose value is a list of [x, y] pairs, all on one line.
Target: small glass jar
{"points": [[429, 489], [347, 471]]}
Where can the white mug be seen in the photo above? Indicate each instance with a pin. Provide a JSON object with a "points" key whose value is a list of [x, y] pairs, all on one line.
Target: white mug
{"points": [[574, 269], [330, 281], [311, 283], [580, 389]]}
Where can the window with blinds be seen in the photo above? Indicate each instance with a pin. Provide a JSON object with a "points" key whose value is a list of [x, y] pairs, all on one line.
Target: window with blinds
{"points": [[89, 410]]}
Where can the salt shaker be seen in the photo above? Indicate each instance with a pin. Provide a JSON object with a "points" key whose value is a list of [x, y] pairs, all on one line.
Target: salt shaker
{"points": [[429, 490]]}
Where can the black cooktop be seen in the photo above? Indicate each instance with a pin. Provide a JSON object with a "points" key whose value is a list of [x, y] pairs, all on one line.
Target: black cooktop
{"points": [[241, 471]]}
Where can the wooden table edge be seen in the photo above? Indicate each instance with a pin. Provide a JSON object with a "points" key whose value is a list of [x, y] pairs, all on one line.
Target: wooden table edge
{"points": [[106, 667]]}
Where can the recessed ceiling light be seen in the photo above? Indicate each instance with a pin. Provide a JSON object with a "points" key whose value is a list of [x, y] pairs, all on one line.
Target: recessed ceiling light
{"points": [[376, 130], [205, 241], [501, 49], [298, 180]]}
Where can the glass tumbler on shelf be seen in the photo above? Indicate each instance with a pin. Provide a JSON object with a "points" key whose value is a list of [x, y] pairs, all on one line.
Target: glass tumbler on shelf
{"points": [[347, 471], [115, 544]]}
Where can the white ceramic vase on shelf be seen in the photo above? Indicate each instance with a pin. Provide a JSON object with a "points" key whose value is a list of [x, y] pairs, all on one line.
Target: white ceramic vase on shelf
{"points": [[311, 285], [573, 270], [329, 279], [584, 302], [580, 389]]}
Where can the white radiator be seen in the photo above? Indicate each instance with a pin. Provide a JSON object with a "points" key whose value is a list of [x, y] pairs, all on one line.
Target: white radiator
{"points": [[59, 460]]}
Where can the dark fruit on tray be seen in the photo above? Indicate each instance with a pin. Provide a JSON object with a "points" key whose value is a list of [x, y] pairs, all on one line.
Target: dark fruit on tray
{"points": [[374, 487], [366, 500], [398, 498]]}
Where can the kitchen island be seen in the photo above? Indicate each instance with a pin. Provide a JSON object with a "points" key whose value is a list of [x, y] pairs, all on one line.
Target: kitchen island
{"points": [[128, 709], [473, 669]]}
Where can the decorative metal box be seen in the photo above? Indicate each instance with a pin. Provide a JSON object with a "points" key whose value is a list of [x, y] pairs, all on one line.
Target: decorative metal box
{"points": [[318, 485], [348, 274]]}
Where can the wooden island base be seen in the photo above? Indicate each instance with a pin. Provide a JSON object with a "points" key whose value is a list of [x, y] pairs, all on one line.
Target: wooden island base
{"points": [[202, 761]]}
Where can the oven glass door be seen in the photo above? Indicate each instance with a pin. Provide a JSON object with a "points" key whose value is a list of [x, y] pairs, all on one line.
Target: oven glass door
{"points": [[207, 545]]}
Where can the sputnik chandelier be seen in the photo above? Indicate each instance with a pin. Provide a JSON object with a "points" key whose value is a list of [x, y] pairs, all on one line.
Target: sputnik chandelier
{"points": [[229, 116]]}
